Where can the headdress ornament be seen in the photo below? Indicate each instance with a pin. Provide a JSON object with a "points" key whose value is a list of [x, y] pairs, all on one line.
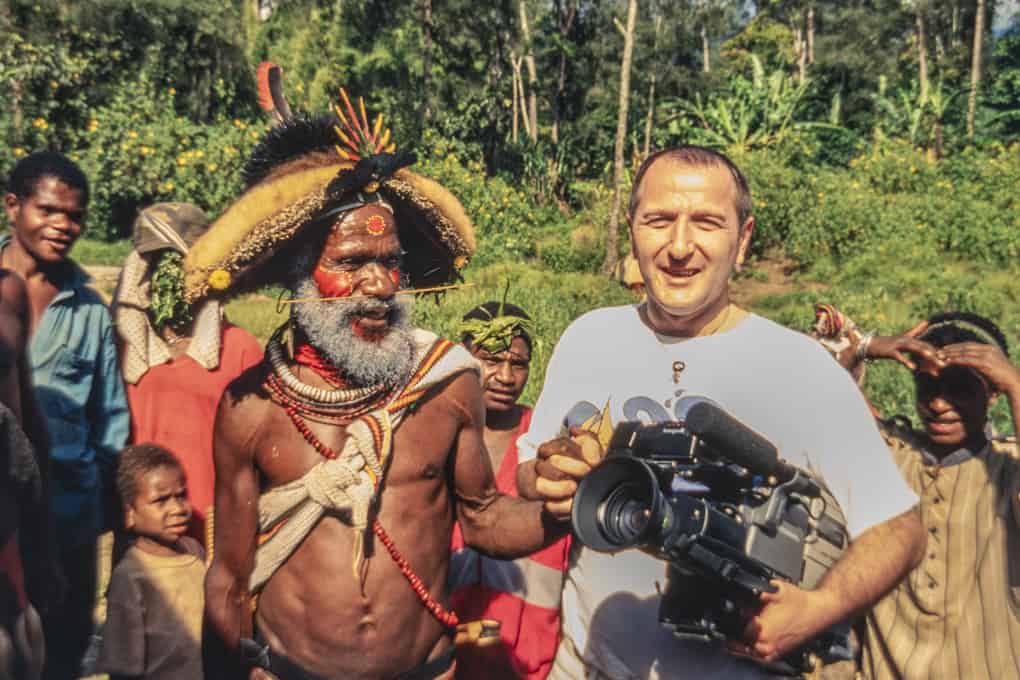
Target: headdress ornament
{"points": [[307, 172], [494, 325]]}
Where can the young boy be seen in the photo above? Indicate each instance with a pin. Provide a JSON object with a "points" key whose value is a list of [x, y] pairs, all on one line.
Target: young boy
{"points": [[155, 600], [955, 615], [523, 595]]}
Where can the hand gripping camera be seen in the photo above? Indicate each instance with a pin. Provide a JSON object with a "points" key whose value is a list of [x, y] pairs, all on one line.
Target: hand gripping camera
{"points": [[713, 499]]}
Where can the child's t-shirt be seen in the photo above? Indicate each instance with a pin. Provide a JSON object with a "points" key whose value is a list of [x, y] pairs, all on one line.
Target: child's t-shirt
{"points": [[154, 615]]}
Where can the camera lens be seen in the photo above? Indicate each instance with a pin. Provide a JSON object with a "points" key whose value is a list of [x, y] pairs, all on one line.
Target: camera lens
{"points": [[624, 515]]}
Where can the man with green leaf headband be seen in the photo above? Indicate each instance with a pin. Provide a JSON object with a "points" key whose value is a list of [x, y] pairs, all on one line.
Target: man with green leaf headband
{"points": [[522, 595], [176, 358]]}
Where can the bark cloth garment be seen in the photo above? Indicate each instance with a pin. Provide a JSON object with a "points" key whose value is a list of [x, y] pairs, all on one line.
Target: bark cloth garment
{"points": [[141, 347], [348, 484]]}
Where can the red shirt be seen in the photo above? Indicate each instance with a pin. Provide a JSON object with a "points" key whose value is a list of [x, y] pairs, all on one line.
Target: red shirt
{"points": [[523, 595], [174, 405]]}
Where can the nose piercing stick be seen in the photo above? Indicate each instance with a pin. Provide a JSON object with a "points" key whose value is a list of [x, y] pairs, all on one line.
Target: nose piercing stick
{"points": [[354, 298]]}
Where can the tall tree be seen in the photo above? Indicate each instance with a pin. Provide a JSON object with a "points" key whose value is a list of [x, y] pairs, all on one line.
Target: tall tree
{"points": [[426, 59], [613, 237], [650, 115], [566, 13], [975, 66], [810, 28], [529, 61], [919, 7]]}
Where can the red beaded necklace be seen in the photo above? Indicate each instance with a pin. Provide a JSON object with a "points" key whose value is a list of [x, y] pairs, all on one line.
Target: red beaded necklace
{"points": [[306, 355], [443, 615]]}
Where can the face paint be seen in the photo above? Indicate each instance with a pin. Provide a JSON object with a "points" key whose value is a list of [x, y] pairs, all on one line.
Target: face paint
{"points": [[375, 225], [333, 284]]}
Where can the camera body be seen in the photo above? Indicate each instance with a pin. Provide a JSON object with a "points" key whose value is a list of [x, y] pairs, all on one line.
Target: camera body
{"points": [[713, 500]]}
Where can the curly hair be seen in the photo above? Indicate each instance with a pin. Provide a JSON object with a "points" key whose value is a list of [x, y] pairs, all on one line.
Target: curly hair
{"points": [[137, 460], [32, 168], [949, 328]]}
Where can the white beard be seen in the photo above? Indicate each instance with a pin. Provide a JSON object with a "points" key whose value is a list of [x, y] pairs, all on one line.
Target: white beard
{"points": [[388, 360]]}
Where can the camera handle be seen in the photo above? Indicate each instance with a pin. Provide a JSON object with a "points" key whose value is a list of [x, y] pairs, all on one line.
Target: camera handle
{"points": [[778, 498]]}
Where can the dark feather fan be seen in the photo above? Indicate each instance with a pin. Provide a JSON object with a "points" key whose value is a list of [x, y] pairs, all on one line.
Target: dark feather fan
{"points": [[288, 141]]}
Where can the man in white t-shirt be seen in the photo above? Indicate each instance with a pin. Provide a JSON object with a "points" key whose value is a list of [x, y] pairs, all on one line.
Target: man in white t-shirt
{"points": [[690, 226]]}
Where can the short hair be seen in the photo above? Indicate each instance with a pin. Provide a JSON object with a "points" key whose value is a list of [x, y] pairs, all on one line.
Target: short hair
{"points": [[25, 176], [490, 310], [698, 156], [137, 460], [950, 328]]}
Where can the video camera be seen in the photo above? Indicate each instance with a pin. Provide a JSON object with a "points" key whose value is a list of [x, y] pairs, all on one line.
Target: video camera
{"points": [[714, 500]]}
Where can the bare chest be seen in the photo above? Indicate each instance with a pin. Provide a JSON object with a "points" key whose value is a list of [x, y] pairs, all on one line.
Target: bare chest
{"points": [[292, 444]]}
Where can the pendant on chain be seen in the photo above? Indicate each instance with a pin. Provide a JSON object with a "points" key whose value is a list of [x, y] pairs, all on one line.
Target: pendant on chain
{"points": [[678, 368]]}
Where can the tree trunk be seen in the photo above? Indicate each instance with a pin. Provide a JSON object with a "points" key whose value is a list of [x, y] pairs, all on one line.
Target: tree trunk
{"points": [[518, 63], [975, 66], [566, 16], [515, 78], [922, 57], [954, 31], [650, 117], [426, 59], [612, 238], [801, 51], [811, 34], [529, 60], [706, 53]]}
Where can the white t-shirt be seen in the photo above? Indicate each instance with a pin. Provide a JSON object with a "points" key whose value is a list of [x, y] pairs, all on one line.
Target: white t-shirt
{"points": [[780, 383]]}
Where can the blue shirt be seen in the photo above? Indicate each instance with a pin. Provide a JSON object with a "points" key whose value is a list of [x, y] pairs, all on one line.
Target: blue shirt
{"points": [[78, 384]]}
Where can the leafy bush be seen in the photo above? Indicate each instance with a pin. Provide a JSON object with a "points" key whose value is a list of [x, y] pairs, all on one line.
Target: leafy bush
{"points": [[965, 206], [505, 218]]}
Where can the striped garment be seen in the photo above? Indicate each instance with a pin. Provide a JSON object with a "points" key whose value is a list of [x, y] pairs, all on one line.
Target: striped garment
{"points": [[957, 615], [522, 594]]}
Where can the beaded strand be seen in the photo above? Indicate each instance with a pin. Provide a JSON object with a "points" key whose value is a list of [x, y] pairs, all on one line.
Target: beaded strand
{"points": [[445, 616]]}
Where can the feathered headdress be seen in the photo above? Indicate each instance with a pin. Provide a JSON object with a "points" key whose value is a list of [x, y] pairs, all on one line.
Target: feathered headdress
{"points": [[307, 171]]}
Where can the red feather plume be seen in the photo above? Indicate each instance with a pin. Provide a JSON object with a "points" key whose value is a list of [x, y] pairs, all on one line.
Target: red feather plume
{"points": [[262, 77]]}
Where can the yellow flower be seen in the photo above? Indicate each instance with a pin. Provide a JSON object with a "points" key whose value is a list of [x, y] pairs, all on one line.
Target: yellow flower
{"points": [[54, 85], [93, 125], [168, 186], [182, 160], [219, 279], [211, 167], [132, 134], [40, 123], [171, 91], [18, 152]]}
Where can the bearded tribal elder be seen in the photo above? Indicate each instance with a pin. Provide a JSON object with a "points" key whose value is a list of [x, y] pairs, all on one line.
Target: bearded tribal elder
{"points": [[344, 458]]}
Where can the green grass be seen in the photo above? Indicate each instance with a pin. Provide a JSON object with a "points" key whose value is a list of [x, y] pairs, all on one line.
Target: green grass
{"points": [[889, 291], [93, 252]]}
